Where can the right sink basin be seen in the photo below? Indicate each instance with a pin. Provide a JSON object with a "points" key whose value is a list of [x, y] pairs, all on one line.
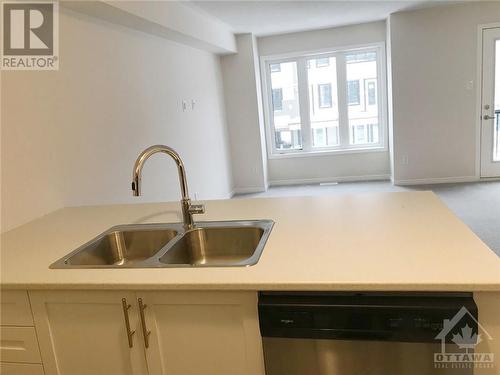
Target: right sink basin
{"points": [[219, 244]]}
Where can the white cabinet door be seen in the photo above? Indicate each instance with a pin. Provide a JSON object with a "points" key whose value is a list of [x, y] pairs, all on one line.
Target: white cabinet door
{"points": [[85, 333], [202, 333]]}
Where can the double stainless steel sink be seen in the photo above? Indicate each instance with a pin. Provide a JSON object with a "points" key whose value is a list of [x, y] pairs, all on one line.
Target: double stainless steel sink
{"points": [[186, 244], [208, 244]]}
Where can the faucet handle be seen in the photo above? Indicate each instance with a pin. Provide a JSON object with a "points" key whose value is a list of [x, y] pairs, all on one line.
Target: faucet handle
{"points": [[196, 209]]}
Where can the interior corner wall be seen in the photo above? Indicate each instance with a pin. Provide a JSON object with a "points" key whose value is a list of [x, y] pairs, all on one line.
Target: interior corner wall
{"points": [[390, 109], [434, 59], [244, 116], [70, 137], [260, 109], [322, 168]]}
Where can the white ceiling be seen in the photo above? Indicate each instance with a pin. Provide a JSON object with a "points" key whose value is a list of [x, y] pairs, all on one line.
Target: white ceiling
{"points": [[267, 17]]}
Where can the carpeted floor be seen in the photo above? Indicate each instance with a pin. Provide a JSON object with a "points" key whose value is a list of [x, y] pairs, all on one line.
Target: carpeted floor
{"points": [[477, 204]]}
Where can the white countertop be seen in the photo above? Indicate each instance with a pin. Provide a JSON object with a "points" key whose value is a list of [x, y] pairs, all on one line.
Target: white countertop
{"points": [[375, 241]]}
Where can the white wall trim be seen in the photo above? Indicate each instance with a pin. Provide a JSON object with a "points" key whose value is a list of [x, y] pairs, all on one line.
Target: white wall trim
{"points": [[486, 179], [330, 152], [305, 181], [436, 180], [479, 90], [248, 190], [492, 25], [479, 87]]}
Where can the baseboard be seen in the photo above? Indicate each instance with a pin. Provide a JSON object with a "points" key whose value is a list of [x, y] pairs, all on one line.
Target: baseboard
{"points": [[248, 190], [486, 179], [438, 180], [318, 180]]}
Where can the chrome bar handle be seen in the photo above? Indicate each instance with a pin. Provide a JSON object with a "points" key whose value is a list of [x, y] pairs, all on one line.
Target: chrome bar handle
{"points": [[130, 333], [145, 331]]}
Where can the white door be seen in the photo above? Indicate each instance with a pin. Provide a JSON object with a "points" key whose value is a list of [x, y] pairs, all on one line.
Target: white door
{"points": [[490, 105], [202, 333], [86, 333]]}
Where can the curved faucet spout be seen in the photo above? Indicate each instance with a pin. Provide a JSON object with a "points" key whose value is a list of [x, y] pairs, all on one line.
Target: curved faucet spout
{"points": [[145, 155], [187, 208]]}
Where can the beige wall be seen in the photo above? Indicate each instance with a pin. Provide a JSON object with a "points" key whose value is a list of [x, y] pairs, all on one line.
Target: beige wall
{"points": [[70, 137], [316, 169], [434, 57], [243, 100], [324, 38], [364, 165], [175, 20]]}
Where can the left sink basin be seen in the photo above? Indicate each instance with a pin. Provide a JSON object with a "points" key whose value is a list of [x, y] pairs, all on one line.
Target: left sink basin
{"points": [[121, 247]]}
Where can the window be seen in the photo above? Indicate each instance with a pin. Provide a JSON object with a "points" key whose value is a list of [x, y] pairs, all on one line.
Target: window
{"points": [[322, 62], [371, 93], [345, 82], [277, 100], [286, 107], [363, 113], [319, 139], [323, 103], [363, 134], [361, 57], [353, 92], [325, 95], [275, 68]]}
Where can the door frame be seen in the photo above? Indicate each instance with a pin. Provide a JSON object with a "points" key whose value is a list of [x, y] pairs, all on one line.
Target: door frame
{"points": [[479, 95]]}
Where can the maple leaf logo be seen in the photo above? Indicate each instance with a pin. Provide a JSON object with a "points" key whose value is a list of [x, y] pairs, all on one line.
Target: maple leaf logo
{"points": [[466, 339]]}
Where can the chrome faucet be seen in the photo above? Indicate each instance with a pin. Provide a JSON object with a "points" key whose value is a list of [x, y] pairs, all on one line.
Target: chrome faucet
{"points": [[188, 209]]}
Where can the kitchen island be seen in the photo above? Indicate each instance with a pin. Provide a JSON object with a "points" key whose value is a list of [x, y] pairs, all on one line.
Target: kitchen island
{"points": [[406, 241], [381, 241]]}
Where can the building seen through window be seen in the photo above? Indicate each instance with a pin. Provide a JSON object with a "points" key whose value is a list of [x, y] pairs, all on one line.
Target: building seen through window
{"points": [[321, 90]]}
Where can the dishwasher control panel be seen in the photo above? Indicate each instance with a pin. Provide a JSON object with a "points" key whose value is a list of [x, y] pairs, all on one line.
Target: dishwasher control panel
{"points": [[404, 317]]}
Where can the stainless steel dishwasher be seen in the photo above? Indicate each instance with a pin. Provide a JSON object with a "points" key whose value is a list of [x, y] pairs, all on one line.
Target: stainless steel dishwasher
{"points": [[309, 333]]}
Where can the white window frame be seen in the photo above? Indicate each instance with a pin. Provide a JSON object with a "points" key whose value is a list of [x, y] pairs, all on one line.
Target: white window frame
{"points": [[301, 59]]}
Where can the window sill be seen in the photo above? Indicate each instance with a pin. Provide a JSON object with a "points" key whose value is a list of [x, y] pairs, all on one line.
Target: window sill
{"points": [[307, 154]]}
